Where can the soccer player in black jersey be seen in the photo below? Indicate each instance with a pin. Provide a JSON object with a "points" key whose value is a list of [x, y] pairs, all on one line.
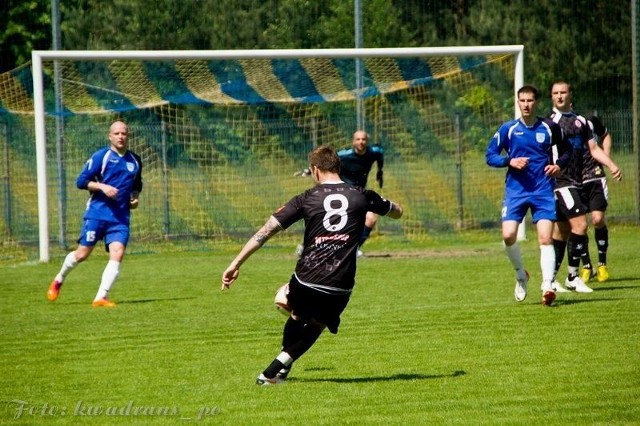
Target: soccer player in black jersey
{"points": [[596, 194], [570, 231], [355, 165], [319, 290]]}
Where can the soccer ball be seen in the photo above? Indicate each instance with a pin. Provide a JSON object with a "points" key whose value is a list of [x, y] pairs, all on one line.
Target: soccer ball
{"points": [[280, 300]]}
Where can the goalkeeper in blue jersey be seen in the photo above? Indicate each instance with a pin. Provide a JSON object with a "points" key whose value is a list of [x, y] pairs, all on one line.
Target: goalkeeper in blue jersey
{"points": [[113, 177], [536, 151], [355, 164]]}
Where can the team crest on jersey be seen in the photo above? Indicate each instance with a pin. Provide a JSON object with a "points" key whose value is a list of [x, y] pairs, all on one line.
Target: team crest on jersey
{"points": [[131, 167], [539, 137], [578, 123]]}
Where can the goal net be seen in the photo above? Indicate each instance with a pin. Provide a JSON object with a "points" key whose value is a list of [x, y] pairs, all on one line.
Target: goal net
{"points": [[222, 133]]}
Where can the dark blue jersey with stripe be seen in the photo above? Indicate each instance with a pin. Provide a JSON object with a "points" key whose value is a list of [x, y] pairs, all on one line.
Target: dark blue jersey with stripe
{"points": [[354, 168]]}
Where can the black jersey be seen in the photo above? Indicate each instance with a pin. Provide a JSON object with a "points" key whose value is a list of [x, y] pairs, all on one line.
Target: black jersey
{"points": [[593, 170], [577, 132], [334, 216], [354, 168]]}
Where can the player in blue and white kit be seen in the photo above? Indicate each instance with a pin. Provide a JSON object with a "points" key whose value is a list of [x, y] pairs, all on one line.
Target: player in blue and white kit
{"points": [[113, 177], [355, 164], [535, 152], [334, 214]]}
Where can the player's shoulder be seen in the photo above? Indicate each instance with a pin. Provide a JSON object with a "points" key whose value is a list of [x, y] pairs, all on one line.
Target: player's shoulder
{"points": [[376, 149], [345, 152], [135, 156], [508, 126]]}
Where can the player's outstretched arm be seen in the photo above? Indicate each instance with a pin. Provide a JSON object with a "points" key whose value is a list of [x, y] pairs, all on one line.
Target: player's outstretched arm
{"points": [[268, 230], [602, 157]]}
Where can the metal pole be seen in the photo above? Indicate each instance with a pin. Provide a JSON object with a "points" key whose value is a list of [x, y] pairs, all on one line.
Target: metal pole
{"points": [[60, 157], [7, 182], [165, 181], [459, 175], [359, 64], [635, 4]]}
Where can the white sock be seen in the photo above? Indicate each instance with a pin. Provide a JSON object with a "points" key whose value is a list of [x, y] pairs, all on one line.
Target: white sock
{"points": [[547, 262], [68, 265], [285, 358], [515, 257], [109, 276]]}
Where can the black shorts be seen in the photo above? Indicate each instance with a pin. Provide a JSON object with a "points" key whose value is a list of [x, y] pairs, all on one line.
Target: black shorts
{"points": [[595, 194], [569, 203], [310, 304]]}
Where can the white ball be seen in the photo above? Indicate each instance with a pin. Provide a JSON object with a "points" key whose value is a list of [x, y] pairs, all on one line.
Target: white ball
{"points": [[280, 300]]}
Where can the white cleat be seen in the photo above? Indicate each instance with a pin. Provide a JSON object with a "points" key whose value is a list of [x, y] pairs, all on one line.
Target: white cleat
{"points": [[578, 285], [264, 381], [520, 292], [557, 287]]}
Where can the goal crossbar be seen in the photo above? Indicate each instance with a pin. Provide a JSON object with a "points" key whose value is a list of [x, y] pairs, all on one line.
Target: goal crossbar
{"points": [[38, 56]]}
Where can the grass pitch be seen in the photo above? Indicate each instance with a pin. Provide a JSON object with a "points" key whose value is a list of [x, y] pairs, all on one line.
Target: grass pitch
{"points": [[432, 336]]}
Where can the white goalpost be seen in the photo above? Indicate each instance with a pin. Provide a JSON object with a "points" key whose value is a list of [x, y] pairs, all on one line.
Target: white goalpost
{"points": [[38, 56]]}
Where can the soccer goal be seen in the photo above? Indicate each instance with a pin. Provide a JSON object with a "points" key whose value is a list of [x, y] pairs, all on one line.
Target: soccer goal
{"points": [[221, 133]]}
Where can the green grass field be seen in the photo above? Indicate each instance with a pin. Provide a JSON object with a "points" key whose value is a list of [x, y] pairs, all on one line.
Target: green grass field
{"points": [[432, 336]]}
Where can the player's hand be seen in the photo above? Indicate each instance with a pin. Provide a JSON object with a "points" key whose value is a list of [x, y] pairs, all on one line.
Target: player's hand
{"points": [[303, 172], [551, 170], [228, 277], [380, 178], [519, 163], [109, 191], [616, 174]]}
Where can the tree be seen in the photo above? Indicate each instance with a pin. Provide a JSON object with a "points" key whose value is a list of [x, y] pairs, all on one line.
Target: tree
{"points": [[25, 25]]}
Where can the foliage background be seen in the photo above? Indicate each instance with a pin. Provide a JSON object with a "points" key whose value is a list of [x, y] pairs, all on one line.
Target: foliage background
{"points": [[587, 42]]}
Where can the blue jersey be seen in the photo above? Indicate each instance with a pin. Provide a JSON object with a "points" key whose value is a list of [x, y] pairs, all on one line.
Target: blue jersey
{"points": [[122, 172], [354, 168], [536, 143]]}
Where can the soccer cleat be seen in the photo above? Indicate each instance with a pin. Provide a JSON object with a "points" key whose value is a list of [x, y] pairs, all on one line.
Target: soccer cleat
{"points": [[283, 373], [103, 303], [520, 292], [54, 290], [577, 285], [265, 381], [557, 287], [586, 273], [548, 295], [603, 273]]}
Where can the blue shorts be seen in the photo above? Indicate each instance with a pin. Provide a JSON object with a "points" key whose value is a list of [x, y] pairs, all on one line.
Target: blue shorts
{"points": [[96, 230], [542, 207]]}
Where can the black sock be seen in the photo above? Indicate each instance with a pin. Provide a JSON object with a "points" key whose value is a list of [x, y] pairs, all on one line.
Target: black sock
{"points": [[576, 246], [308, 337], [292, 332], [273, 369], [586, 258], [559, 247], [602, 241]]}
